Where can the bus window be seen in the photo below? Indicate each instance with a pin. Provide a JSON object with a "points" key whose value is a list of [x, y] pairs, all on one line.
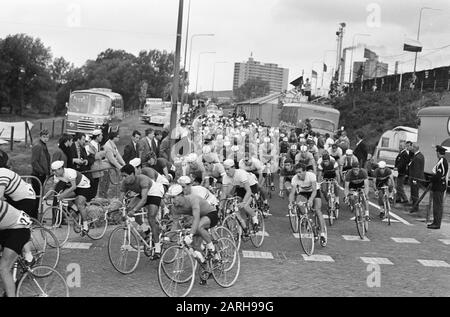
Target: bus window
{"points": [[385, 142]]}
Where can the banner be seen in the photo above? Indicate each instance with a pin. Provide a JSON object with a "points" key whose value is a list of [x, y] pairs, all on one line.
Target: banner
{"points": [[19, 130], [412, 46], [325, 68], [314, 74]]}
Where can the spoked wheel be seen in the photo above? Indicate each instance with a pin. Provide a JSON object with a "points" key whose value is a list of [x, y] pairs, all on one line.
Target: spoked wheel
{"points": [[124, 250], [293, 219], [221, 232], [231, 223], [41, 242], [227, 265], [306, 235], [331, 211], [388, 212], [97, 221], [257, 238], [52, 219], [42, 281], [360, 222], [176, 272], [336, 210]]}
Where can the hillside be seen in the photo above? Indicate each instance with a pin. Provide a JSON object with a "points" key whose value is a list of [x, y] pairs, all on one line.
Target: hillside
{"points": [[375, 112]]}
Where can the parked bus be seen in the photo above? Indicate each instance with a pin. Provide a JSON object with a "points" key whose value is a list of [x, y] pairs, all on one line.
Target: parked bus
{"points": [[97, 108], [434, 129], [388, 146], [157, 112]]}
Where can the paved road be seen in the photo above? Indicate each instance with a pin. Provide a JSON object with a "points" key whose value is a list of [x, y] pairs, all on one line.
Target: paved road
{"points": [[279, 267]]}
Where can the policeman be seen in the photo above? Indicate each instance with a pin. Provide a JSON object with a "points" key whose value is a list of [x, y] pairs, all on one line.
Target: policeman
{"points": [[439, 186]]}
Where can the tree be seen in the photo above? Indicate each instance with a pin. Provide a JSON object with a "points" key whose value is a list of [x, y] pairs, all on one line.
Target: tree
{"points": [[59, 70], [252, 88]]}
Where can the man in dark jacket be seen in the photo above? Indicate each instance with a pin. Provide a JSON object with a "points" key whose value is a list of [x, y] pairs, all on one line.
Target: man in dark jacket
{"points": [[439, 186], [416, 175], [401, 164], [80, 160], [3, 159], [361, 150], [131, 150], [40, 160]]}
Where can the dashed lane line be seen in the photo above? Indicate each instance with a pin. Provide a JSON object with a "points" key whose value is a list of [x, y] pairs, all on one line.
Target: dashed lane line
{"points": [[445, 241], [257, 255], [434, 263], [77, 245], [376, 261], [317, 258], [405, 240], [355, 238]]}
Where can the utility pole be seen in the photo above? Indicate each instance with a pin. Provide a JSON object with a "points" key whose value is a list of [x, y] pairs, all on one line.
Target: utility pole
{"points": [[176, 78], [185, 57]]}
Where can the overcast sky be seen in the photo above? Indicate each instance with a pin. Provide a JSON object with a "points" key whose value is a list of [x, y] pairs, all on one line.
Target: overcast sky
{"points": [[292, 33]]}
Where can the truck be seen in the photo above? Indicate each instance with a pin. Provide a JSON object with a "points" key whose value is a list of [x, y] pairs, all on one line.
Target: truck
{"points": [[389, 143], [157, 112], [92, 109], [434, 129]]}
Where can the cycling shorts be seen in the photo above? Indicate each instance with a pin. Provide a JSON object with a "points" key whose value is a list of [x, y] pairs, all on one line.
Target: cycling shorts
{"points": [[14, 239], [307, 195], [213, 218], [240, 191]]}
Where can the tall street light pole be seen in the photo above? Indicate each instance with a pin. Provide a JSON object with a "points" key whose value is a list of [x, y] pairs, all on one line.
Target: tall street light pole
{"points": [[350, 76], [214, 76], [198, 68], [185, 56], [176, 77]]}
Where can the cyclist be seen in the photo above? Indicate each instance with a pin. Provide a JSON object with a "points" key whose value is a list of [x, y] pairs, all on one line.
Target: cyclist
{"points": [[356, 179], [306, 183], [188, 189], [244, 184], [212, 169], [347, 162], [252, 165], [14, 234], [204, 215], [328, 168], [312, 147], [286, 174], [292, 154], [77, 185], [383, 177], [267, 156], [150, 194], [20, 195], [306, 158], [336, 152]]}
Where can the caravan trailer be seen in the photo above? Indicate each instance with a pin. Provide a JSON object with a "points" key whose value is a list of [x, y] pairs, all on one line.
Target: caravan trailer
{"points": [[388, 146]]}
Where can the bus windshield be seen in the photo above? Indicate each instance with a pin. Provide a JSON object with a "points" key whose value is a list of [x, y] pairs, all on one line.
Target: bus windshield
{"points": [[322, 124], [92, 104]]}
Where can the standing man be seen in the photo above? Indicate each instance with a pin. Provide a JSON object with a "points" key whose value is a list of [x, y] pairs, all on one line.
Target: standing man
{"points": [[416, 174], [401, 164], [164, 149], [114, 159], [361, 150], [148, 144], [97, 156], [439, 186], [132, 149], [79, 156], [40, 160]]}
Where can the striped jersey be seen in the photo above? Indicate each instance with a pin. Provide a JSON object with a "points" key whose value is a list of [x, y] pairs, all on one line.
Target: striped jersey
{"points": [[15, 187], [12, 218]]}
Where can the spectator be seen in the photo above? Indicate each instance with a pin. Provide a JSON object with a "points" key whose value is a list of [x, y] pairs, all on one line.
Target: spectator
{"points": [[113, 159], [40, 160], [328, 141], [416, 175], [344, 142], [148, 144], [63, 152], [164, 149], [158, 138], [439, 186], [131, 150], [97, 156], [78, 153], [3, 159], [361, 149], [401, 164]]}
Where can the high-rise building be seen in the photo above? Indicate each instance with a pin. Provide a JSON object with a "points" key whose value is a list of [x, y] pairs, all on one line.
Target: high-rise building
{"points": [[276, 76], [372, 68]]}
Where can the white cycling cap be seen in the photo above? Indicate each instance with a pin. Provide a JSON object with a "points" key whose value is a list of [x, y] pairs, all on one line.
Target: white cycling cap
{"points": [[135, 162], [175, 190], [303, 148], [57, 165], [382, 164], [293, 147], [266, 140], [228, 163], [184, 180], [235, 148], [285, 139], [96, 132], [349, 152], [206, 149], [192, 158]]}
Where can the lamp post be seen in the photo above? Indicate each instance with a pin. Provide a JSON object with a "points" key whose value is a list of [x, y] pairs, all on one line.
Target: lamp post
{"points": [[214, 76], [350, 76], [198, 68], [190, 56], [185, 62]]}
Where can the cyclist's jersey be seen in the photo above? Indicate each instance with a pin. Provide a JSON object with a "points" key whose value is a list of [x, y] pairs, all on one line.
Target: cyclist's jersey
{"points": [[266, 153], [256, 165], [306, 185], [240, 178], [154, 175], [356, 181], [284, 147], [193, 201], [347, 162], [217, 171], [306, 159], [15, 188], [335, 154], [205, 194], [140, 183], [12, 218], [382, 179], [287, 174], [328, 171], [72, 175]]}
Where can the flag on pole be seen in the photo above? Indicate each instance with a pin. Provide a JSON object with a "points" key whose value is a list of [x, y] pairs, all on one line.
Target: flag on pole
{"points": [[412, 46], [314, 74], [325, 68]]}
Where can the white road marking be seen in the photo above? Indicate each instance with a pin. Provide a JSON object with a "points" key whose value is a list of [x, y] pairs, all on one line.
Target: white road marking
{"points": [[77, 245], [296, 235], [257, 255], [376, 260], [405, 240], [434, 263], [317, 258], [392, 220], [355, 238], [259, 233], [445, 241]]}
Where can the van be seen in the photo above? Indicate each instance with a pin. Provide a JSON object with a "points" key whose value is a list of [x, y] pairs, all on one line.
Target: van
{"points": [[434, 129], [388, 146]]}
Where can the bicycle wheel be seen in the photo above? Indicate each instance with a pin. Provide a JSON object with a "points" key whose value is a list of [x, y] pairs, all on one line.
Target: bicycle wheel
{"points": [[388, 212], [124, 250], [232, 224], [221, 232], [306, 235], [257, 238], [293, 220], [176, 272], [227, 266], [42, 281], [330, 210], [51, 219], [336, 210], [359, 220], [97, 221], [41, 240]]}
